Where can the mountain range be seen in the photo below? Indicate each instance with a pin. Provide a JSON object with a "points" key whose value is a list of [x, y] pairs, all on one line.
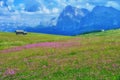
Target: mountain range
{"points": [[75, 21]]}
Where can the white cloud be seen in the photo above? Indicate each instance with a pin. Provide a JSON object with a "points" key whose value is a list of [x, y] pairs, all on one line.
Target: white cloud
{"points": [[113, 4], [55, 10], [1, 3], [22, 6], [89, 6], [46, 10]]}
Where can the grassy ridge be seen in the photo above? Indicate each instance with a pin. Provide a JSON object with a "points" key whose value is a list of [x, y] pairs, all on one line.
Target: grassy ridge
{"points": [[95, 57]]}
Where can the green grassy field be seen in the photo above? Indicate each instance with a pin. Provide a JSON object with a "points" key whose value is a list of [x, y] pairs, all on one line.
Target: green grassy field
{"points": [[94, 56], [8, 40]]}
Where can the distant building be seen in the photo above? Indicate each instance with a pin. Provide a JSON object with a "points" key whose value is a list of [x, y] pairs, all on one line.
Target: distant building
{"points": [[102, 30], [20, 32]]}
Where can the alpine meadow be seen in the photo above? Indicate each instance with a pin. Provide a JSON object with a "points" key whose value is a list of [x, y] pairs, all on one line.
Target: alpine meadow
{"points": [[94, 56], [59, 39]]}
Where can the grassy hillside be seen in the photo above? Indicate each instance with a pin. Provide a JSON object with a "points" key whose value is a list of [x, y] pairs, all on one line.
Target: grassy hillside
{"points": [[94, 56], [8, 40]]}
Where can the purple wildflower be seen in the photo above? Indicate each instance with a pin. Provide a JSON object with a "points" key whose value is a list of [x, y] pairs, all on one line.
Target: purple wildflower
{"points": [[9, 72], [44, 44]]}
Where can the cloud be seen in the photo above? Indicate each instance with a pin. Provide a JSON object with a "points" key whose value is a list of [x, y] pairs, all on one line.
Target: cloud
{"points": [[56, 6], [10, 1], [21, 6], [55, 10], [7, 4], [32, 5], [89, 6], [45, 10], [1, 3], [113, 4]]}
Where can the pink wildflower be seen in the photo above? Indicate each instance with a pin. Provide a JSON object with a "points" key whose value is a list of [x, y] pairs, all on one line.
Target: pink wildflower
{"points": [[9, 72]]}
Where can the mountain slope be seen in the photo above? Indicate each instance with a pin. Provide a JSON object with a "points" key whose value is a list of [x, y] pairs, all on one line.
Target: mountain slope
{"points": [[70, 18], [101, 18]]}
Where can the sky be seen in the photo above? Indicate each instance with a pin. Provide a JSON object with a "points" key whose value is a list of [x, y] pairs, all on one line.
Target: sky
{"points": [[56, 6], [40, 9]]}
